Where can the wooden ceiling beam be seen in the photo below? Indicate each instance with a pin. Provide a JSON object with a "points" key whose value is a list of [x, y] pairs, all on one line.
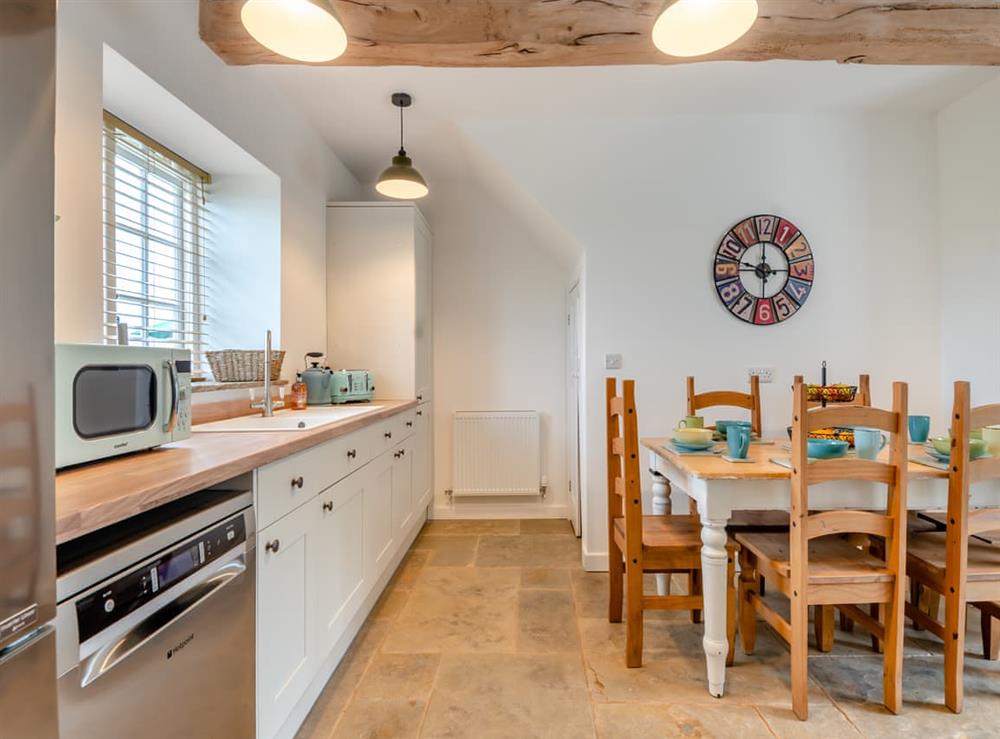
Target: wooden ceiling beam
{"points": [[553, 33]]}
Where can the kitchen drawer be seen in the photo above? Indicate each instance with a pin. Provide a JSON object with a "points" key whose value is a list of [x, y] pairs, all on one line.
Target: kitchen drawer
{"points": [[284, 485], [382, 436], [404, 425]]}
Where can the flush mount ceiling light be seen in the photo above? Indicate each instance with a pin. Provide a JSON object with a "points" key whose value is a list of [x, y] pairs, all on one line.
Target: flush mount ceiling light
{"points": [[400, 180], [696, 27], [304, 30]]}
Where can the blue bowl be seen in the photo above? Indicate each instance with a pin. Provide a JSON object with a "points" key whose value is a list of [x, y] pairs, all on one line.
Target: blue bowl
{"points": [[826, 448]]}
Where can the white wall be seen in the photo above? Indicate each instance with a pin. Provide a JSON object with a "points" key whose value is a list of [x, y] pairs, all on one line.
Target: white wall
{"points": [[969, 161], [499, 335], [649, 200], [161, 38]]}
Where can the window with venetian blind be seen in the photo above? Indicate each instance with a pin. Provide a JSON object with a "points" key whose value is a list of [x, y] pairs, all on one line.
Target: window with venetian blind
{"points": [[155, 243]]}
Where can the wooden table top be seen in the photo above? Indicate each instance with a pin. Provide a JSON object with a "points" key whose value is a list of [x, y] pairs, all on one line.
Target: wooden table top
{"points": [[760, 467], [92, 496]]}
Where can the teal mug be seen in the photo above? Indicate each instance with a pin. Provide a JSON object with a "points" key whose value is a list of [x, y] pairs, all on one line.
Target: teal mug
{"points": [[738, 441], [868, 442], [920, 428]]}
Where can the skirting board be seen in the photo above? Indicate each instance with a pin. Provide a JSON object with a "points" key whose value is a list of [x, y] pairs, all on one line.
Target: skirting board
{"points": [[595, 561], [298, 714], [480, 510]]}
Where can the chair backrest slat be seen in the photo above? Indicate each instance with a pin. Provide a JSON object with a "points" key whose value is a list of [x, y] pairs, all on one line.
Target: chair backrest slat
{"points": [[984, 415], [855, 415], [848, 522], [727, 398], [828, 470]]}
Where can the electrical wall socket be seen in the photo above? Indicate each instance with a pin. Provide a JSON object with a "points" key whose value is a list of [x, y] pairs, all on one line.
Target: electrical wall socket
{"points": [[612, 361], [766, 374]]}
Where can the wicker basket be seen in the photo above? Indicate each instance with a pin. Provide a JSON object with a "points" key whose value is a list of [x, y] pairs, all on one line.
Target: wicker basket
{"points": [[243, 365]]}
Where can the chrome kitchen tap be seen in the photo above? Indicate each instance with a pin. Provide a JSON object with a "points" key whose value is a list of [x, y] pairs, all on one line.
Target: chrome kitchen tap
{"points": [[267, 405]]}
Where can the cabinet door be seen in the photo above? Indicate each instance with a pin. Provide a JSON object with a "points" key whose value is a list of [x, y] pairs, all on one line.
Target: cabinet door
{"points": [[423, 340], [402, 488], [379, 532], [338, 565], [286, 657], [422, 458]]}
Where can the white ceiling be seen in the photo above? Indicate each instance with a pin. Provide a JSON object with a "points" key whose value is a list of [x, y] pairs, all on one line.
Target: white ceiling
{"points": [[350, 106]]}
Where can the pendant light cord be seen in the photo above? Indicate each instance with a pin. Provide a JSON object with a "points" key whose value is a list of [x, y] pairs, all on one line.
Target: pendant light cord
{"points": [[402, 151]]}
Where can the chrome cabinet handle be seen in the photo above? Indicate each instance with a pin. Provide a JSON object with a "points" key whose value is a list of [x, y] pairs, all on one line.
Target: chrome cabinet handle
{"points": [[298, 482], [273, 546], [402, 452], [388, 434], [352, 453], [409, 424], [419, 398], [420, 413], [328, 505], [395, 455]]}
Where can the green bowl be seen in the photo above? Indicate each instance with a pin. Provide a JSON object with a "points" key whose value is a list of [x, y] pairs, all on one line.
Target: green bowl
{"points": [[942, 444]]}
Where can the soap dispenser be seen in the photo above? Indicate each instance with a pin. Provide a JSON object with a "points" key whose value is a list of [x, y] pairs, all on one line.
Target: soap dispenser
{"points": [[300, 393]]}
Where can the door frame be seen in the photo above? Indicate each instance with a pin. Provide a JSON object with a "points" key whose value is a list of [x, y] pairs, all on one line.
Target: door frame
{"points": [[574, 405]]}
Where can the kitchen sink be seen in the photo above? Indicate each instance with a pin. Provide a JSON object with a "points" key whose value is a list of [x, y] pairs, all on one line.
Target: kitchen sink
{"points": [[288, 420]]}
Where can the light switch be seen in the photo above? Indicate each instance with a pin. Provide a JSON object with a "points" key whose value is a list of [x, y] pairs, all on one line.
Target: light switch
{"points": [[766, 374], [612, 361]]}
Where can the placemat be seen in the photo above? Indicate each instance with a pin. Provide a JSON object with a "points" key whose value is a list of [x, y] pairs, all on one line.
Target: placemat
{"points": [[928, 461], [686, 453], [734, 460]]}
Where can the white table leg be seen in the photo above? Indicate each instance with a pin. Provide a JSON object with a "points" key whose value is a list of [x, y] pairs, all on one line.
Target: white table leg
{"points": [[714, 567], [661, 507]]}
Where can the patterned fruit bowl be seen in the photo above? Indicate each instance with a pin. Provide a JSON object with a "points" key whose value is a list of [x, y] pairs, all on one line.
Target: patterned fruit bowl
{"points": [[831, 393], [834, 433]]}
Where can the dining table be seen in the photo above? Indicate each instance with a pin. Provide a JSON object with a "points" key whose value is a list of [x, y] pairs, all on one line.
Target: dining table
{"points": [[719, 487]]}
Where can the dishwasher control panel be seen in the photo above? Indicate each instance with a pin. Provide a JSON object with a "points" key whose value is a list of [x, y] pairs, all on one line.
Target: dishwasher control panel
{"points": [[116, 598]]}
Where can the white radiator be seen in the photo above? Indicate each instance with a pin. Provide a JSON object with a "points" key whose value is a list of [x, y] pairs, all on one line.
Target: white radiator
{"points": [[496, 453]]}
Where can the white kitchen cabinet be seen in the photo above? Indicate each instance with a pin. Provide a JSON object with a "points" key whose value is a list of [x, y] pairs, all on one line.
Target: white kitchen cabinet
{"points": [[402, 488], [286, 652], [379, 295], [379, 529], [422, 462], [337, 567]]}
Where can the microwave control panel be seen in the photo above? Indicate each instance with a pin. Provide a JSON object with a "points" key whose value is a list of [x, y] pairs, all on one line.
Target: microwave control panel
{"points": [[183, 428]]}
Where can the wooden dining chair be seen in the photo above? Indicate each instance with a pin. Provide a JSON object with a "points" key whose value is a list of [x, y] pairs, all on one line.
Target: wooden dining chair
{"points": [[638, 544], [814, 564], [960, 563]]}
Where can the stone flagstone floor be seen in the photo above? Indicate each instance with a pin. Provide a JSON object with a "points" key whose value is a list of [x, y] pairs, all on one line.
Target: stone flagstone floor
{"points": [[492, 629]]}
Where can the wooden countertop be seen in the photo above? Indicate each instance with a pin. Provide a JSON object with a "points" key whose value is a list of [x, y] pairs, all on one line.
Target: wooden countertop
{"points": [[92, 496]]}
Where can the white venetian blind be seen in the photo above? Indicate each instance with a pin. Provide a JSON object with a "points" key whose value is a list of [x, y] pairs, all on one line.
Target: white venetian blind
{"points": [[156, 243]]}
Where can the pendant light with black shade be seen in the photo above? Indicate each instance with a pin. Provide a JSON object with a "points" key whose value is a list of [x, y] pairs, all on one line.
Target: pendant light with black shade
{"points": [[400, 179]]}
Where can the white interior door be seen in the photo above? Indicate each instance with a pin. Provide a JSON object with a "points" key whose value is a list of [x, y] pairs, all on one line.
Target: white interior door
{"points": [[573, 344]]}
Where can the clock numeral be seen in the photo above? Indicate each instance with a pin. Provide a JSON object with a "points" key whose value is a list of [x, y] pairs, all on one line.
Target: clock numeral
{"points": [[743, 307], [765, 228], [798, 248], [798, 290], [729, 291], [802, 270], [726, 269], [785, 232], [784, 307], [764, 313], [745, 232], [731, 247]]}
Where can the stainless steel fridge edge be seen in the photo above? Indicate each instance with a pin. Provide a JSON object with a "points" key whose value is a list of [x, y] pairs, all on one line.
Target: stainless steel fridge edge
{"points": [[27, 482]]}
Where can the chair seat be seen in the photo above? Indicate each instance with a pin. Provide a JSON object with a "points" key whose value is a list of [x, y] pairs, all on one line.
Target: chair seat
{"points": [[747, 521], [831, 559], [666, 532], [929, 550]]}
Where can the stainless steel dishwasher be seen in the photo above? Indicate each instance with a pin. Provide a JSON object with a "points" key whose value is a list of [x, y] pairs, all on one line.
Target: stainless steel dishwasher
{"points": [[155, 626]]}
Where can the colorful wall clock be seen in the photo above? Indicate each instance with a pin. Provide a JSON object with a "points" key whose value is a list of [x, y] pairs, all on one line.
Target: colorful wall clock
{"points": [[764, 270]]}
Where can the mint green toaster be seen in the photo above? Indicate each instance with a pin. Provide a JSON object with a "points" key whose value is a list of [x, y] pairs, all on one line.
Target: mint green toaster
{"points": [[351, 386]]}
